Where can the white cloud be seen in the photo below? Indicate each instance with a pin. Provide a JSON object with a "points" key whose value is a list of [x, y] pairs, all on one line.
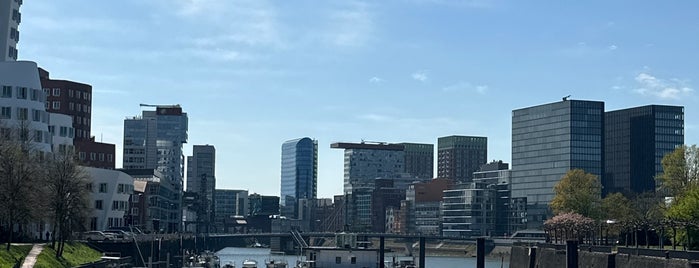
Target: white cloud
{"points": [[420, 76], [376, 80], [612, 47], [650, 85], [467, 87]]}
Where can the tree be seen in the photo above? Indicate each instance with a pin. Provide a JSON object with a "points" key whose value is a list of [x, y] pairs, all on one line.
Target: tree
{"points": [[616, 207], [685, 210], [68, 197], [18, 177], [577, 192], [680, 170]]}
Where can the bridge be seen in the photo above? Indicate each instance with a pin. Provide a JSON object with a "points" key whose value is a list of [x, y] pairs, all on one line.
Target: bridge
{"points": [[332, 234]]}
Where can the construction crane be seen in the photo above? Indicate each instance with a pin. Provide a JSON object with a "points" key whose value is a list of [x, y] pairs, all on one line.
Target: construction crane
{"points": [[160, 106]]}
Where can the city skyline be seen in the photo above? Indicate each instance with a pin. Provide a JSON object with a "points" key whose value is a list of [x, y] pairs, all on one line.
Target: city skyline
{"points": [[424, 73]]}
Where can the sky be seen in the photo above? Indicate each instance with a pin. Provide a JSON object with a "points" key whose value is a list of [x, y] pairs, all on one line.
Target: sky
{"points": [[252, 74]]}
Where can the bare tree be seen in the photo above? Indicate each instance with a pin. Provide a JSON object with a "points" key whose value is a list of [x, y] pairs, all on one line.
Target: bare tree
{"points": [[66, 184], [18, 177]]}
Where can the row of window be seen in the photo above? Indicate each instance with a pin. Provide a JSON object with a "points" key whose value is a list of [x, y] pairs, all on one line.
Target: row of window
{"points": [[94, 156], [22, 93], [63, 131], [22, 114], [71, 93]]}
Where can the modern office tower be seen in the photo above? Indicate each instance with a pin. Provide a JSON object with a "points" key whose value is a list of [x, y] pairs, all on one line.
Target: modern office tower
{"points": [[75, 100], [299, 174], [10, 17], [201, 179], [154, 141], [367, 161], [419, 160], [230, 205], [549, 140], [459, 156], [22, 104], [635, 142]]}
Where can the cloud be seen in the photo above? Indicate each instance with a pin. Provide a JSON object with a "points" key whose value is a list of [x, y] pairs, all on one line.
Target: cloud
{"points": [[376, 80], [420, 76], [650, 85], [612, 47], [466, 87]]}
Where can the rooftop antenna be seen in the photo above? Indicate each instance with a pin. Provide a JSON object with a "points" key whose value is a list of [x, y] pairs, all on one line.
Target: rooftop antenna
{"points": [[566, 98]]}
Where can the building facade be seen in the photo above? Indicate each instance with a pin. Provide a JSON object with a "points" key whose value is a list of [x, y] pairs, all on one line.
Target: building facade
{"points": [[635, 142], [111, 192], [419, 160], [154, 202], [459, 156], [549, 140], [22, 104], [154, 141], [201, 179], [299, 174], [61, 132], [228, 205], [10, 18]]}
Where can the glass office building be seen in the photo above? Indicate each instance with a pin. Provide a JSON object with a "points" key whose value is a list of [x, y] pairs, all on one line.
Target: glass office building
{"points": [[636, 140], [299, 175], [549, 140]]}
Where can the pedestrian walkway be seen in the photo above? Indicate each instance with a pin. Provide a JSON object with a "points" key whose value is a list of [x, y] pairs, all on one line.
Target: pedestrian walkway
{"points": [[30, 260]]}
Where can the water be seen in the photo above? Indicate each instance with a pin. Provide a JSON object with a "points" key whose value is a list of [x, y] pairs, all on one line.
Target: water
{"points": [[238, 255]]}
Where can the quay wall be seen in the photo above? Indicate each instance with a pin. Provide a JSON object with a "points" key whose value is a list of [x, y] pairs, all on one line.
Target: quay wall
{"points": [[523, 256]]}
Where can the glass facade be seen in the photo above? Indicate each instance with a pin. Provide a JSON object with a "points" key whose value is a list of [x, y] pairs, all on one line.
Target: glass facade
{"points": [[636, 140], [299, 174], [549, 140], [419, 160]]}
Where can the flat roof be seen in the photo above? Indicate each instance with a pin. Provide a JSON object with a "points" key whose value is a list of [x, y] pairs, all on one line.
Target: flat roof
{"points": [[369, 146]]}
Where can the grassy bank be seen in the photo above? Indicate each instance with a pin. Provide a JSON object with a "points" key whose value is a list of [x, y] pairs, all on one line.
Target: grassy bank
{"points": [[9, 258], [74, 254]]}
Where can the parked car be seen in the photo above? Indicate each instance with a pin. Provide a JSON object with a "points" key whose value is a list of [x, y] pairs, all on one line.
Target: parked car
{"points": [[97, 236], [119, 234], [128, 229]]}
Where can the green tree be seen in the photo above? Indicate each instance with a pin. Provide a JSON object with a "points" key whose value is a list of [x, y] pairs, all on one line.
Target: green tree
{"points": [[685, 210], [680, 170], [616, 207], [577, 192]]}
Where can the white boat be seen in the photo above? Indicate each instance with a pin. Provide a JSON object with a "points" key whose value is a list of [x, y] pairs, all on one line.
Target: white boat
{"points": [[249, 263], [276, 263]]}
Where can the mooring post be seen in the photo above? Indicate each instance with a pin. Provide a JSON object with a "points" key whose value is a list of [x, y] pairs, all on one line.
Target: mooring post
{"points": [[381, 252], [572, 254], [480, 252], [532, 257], [422, 252]]}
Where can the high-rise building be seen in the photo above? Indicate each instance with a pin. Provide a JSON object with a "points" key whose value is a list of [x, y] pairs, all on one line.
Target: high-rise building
{"points": [[75, 100], [459, 156], [229, 205], [201, 179], [549, 140], [419, 160], [635, 142], [10, 17], [299, 174], [154, 141]]}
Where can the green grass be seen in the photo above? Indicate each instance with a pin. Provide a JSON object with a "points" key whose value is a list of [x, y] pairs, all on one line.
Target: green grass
{"points": [[8, 258], [74, 254]]}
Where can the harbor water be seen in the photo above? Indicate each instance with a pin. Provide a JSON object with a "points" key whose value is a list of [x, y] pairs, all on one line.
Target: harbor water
{"points": [[238, 255]]}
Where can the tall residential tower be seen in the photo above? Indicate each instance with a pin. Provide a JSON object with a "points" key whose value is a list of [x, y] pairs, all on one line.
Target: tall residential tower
{"points": [[459, 156]]}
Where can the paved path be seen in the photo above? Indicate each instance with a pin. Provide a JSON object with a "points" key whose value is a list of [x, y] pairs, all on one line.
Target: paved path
{"points": [[30, 260]]}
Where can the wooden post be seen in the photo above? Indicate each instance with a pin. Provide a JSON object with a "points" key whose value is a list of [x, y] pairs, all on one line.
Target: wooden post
{"points": [[572, 254], [422, 252], [532, 257], [381, 252]]}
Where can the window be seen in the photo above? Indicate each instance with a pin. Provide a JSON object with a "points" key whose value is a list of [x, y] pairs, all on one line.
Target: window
{"points": [[52, 130], [338, 260], [115, 205], [57, 92], [71, 132], [22, 113], [38, 136], [93, 156], [6, 113], [56, 105], [353, 260], [101, 156], [120, 188], [98, 204], [35, 94], [21, 92], [110, 157], [6, 91], [36, 115], [81, 155], [88, 186], [103, 187], [63, 131], [71, 106]]}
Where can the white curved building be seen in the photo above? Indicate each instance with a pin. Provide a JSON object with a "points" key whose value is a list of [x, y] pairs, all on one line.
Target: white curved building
{"points": [[111, 190], [62, 132], [22, 101], [10, 17]]}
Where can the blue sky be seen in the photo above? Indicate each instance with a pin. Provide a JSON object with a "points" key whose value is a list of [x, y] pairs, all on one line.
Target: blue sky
{"points": [[252, 74]]}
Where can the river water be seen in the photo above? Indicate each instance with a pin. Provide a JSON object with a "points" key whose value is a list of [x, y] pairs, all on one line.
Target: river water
{"points": [[238, 255]]}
